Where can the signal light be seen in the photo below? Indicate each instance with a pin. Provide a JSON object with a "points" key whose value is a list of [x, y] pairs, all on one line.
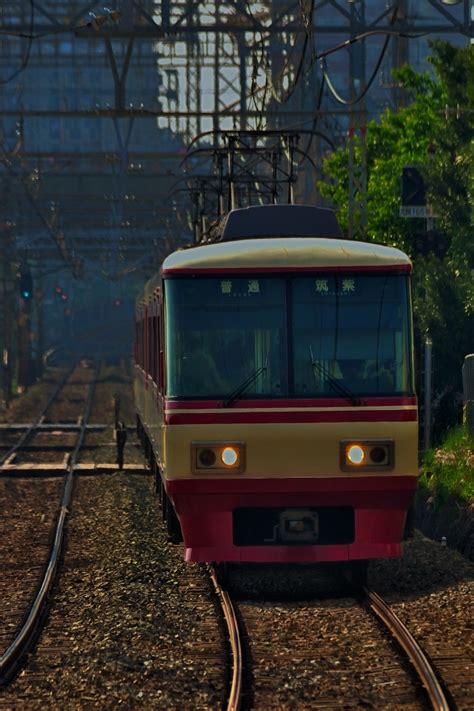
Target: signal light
{"points": [[413, 187], [58, 290], [26, 286]]}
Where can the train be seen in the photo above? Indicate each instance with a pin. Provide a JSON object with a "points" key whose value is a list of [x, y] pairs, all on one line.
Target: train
{"points": [[274, 389]]}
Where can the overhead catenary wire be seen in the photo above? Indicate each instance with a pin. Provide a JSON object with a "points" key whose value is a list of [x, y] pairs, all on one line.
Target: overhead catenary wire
{"points": [[314, 132], [355, 100], [26, 57], [348, 43], [56, 236], [269, 84], [96, 23], [307, 25], [255, 68], [339, 47]]}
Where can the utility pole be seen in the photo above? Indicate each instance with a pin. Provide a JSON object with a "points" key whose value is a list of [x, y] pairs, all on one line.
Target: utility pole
{"points": [[400, 54], [39, 303], [357, 130]]}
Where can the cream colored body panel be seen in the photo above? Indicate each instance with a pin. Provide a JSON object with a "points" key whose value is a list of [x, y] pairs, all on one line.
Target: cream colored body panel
{"points": [[291, 449], [149, 409], [275, 449]]}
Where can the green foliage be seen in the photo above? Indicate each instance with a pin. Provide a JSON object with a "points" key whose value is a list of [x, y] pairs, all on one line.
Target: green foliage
{"points": [[449, 470], [440, 142]]}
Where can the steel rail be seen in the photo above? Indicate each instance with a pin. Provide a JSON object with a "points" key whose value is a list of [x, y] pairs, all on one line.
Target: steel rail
{"points": [[411, 647], [12, 657], [235, 693], [26, 436]]}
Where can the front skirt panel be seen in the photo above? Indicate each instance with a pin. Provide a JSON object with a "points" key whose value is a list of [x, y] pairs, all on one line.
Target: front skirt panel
{"points": [[292, 520]]}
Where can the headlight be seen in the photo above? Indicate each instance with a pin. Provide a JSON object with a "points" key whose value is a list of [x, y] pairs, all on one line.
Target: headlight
{"points": [[230, 456], [355, 454], [217, 457], [367, 455]]}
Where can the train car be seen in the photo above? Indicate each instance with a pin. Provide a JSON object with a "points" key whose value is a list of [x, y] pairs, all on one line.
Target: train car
{"points": [[275, 391]]}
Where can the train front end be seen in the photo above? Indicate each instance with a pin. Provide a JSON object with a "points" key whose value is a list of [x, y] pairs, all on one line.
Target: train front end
{"points": [[289, 414]]}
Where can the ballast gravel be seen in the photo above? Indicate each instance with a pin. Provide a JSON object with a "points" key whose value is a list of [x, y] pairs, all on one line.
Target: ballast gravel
{"points": [[130, 625], [23, 409], [432, 590]]}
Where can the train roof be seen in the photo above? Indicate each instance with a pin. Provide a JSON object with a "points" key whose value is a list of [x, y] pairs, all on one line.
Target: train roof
{"points": [[286, 253], [283, 237]]}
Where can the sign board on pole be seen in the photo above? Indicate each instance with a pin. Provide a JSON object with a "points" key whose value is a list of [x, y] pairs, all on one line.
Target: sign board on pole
{"points": [[423, 211]]}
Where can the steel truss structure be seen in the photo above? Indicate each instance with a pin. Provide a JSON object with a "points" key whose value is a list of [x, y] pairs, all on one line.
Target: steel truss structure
{"points": [[98, 106], [247, 167]]}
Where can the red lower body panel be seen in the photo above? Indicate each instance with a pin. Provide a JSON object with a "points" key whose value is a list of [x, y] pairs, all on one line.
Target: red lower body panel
{"points": [[206, 511]]}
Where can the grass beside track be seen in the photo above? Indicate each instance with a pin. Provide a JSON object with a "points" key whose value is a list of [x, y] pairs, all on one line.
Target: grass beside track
{"points": [[448, 471]]}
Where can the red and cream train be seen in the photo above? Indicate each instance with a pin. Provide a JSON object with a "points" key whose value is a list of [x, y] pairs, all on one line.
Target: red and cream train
{"points": [[275, 392]]}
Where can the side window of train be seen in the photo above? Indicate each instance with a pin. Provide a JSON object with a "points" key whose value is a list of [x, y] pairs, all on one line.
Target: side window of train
{"points": [[157, 351], [159, 346], [151, 345]]}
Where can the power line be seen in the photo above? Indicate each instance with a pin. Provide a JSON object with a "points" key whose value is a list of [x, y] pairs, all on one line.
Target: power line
{"points": [[291, 90], [26, 58]]}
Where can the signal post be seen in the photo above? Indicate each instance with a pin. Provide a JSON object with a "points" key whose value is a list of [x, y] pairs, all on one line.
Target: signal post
{"points": [[7, 285], [25, 364]]}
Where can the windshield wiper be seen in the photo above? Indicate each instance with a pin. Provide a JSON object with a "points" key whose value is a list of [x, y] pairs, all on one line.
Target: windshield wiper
{"points": [[335, 384], [240, 389]]}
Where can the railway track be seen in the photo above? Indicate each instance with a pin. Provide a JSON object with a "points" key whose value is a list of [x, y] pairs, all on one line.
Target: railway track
{"points": [[27, 432], [407, 642], [26, 610], [235, 691], [239, 623]]}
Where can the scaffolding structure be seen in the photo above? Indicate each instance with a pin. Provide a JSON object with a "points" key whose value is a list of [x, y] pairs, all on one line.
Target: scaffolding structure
{"points": [[98, 106]]}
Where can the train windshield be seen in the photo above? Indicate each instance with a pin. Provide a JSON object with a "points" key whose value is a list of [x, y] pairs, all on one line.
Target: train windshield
{"points": [[221, 332], [300, 336], [352, 331]]}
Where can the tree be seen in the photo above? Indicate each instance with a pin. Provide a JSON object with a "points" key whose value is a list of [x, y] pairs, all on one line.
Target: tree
{"points": [[436, 133]]}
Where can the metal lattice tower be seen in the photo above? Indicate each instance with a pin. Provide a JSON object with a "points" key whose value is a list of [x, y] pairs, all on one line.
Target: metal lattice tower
{"points": [[104, 110]]}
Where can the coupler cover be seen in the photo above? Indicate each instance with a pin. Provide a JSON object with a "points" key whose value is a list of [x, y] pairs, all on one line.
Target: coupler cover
{"points": [[298, 525]]}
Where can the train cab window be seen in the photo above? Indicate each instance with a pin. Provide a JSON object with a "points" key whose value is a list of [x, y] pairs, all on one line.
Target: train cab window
{"points": [[226, 335], [351, 330], [295, 336]]}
